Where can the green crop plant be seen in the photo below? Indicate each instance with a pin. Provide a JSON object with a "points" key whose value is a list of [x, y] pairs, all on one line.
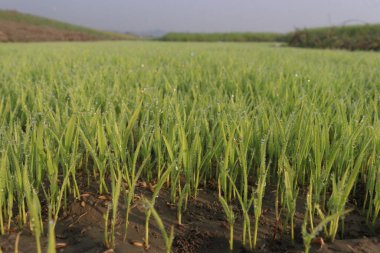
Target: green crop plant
{"points": [[259, 192], [230, 216], [51, 234], [116, 189], [371, 183], [310, 206], [107, 239], [157, 189], [228, 162], [308, 237], [291, 192], [376, 199], [323, 161], [341, 189], [168, 238], [182, 200], [174, 178], [372, 197], [96, 146], [245, 205], [243, 119], [131, 175], [19, 185], [3, 190], [34, 207]]}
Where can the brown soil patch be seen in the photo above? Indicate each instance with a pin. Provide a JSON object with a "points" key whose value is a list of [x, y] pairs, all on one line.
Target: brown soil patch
{"points": [[3, 37], [204, 229]]}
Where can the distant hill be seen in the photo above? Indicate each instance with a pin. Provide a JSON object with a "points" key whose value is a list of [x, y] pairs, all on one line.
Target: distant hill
{"points": [[155, 33], [232, 37], [20, 27], [355, 37]]}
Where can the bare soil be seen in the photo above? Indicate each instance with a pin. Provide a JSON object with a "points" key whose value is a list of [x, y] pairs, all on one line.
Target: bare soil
{"points": [[204, 229]]}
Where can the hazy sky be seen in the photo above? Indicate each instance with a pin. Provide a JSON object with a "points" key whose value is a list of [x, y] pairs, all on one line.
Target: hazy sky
{"points": [[201, 15]]}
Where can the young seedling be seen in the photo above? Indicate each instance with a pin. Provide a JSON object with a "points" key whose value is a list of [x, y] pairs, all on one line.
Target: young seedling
{"points": [[131, 177], [308, 237], [116, 189], [309, 206], [3, 188], [341, 189], [107, 241], [182, 200], [291, 193], [259, 192], [167, 238], [51, 237], [34, 209], [376, 200], [258, 202], [157, 189], [245, 206], [99, 159], [228, 210]]}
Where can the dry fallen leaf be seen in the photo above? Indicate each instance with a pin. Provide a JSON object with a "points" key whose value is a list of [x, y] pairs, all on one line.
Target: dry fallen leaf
{"points": [[318, 240], [60, 245], [137, 244], [151, 187], [83, 231]]}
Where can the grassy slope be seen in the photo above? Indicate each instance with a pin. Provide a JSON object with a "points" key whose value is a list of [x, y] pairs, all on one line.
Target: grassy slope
{"points": [[15, 26], [356, 37]]}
